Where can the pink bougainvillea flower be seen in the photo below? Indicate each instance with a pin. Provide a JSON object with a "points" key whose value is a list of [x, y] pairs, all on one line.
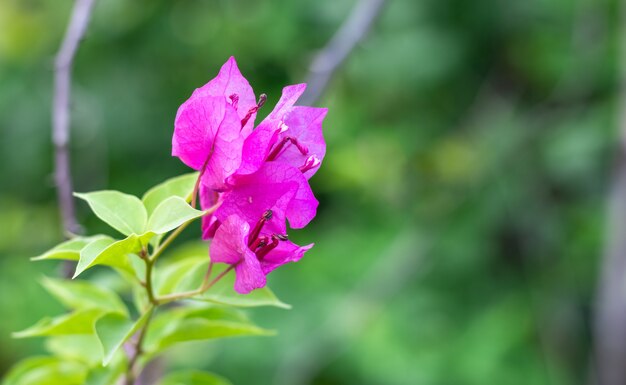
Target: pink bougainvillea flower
{"points": [[231, 84], [290, 134], [209, 198], [275, 186], [257, 178], [253, 251], [207, 137]]}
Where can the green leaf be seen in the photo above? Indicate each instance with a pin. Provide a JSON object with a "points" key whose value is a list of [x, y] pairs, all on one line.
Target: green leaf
{"points": [[69, 250], [189, 324], [202, 329], [170, 214], [46, 371], [223, 293], [106, 376], [180, 186], [193, 378], [189, 249], [77, 322], [182, 275], [123, 212], [83, 295], [114, 329], [187, 274], [79, 347], [108, 252]]}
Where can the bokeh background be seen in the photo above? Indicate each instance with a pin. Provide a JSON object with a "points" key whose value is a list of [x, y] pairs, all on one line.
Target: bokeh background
{"points": [[463, 197]]}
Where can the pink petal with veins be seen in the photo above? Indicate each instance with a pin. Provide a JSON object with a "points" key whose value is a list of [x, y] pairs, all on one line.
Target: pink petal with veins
{"points": [[249, 275], [249, 200], [258, 144], [229, 81], [230, 246], [275, 186], [305, 125], [207, 131], [289, 97], [231, 241]]}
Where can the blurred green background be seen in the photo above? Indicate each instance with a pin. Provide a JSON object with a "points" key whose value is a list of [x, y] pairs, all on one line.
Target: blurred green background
{"points": [[463, 194]]}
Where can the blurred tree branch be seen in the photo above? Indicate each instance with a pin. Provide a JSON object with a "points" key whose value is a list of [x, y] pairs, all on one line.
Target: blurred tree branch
{"points": [[328, 60], [610, 311], [81, 14]]}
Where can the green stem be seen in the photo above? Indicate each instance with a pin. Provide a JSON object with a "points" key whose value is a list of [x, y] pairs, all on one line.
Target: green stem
{"points": [[149, 264], [207, 275], [132, 360], [149, 287], [168, 241]]}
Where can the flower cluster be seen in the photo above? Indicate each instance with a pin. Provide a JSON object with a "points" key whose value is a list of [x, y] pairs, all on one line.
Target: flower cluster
{"points": [[257, 176]]}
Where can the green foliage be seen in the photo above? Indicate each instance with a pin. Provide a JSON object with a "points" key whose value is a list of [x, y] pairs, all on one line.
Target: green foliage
{"points": [[190, 323], [46, 371], [170, 214], [222, 293], [69, 250], [77, 322], [129, 215], [182, 275], [180, 186], [87, 342], [107, 251], [76, 347], [193, 378], [84, 295], [106, 376], [125, 213], [187, 273]]}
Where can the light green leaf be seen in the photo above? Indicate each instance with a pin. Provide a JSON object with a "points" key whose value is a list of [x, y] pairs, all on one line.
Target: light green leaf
{"points": [[123, 212], [83, 295], [46, 371], [108, 252], [182, 275], [195, 249], [77, 322], [155, 241], [106, 376], [79, 347], [69, 250], [187, 274], [223, 293], [114, 329], [193, 378], [147, 238], [202, 329], [170, 214], [180, 186], [189, 324]]}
